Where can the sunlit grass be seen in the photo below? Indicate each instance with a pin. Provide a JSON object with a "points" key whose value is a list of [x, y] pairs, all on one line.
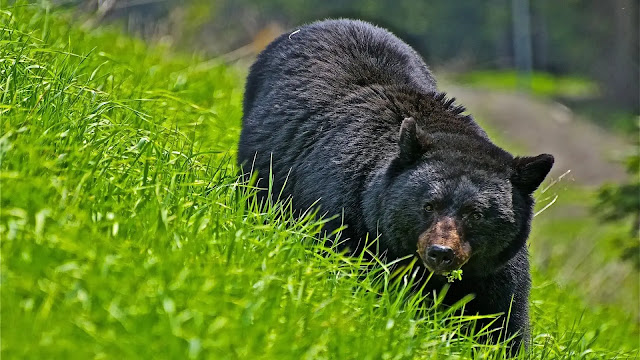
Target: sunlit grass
{"points": [[539, 83], [126, 233]]}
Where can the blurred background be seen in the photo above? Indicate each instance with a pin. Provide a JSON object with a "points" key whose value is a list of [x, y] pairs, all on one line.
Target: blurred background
{"points": [[593, 43], [560, 77]]}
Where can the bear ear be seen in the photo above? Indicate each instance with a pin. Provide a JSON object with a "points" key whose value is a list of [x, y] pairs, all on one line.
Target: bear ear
{"points": [[413, 141], [529, 171]]}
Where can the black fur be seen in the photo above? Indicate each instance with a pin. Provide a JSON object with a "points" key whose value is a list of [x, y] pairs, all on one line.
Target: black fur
{"points": [[350, 117]]}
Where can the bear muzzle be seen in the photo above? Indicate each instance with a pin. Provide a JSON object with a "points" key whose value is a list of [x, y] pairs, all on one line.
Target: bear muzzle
{"points": [[441, 247]]}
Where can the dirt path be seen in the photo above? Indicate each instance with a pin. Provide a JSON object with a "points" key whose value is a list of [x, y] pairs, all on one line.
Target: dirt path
{"points": [[544, 126]]}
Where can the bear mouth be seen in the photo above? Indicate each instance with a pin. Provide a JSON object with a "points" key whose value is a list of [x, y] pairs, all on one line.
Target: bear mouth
{"points": [[442, 270]]}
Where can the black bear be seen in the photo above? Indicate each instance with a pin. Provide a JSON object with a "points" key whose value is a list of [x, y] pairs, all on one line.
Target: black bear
{"points": [[347, 117]]}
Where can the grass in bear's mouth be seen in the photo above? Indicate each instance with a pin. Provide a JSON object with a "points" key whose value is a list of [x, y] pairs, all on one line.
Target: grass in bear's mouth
{"points": [[453, 275], [126, 234]]}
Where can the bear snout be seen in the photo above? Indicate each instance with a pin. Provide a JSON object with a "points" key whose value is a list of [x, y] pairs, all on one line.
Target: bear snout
{"points": [[441, 247], [440, 256]]}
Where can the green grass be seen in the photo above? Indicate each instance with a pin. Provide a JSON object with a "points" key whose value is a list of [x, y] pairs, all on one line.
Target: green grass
{"points": [[126, 234], [577, 256], [539, 83]]}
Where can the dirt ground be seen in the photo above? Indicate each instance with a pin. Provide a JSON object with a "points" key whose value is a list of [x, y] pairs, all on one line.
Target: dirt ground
{"points": [[542, 126]]}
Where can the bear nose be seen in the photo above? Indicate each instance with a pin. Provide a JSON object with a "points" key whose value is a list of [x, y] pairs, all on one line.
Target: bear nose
{"points": [[440, 255]]}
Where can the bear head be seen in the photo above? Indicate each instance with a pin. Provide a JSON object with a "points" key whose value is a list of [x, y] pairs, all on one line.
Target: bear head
{"points": [[457, 200]]}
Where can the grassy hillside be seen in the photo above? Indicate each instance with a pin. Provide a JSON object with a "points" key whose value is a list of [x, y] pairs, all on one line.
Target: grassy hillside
{"points": [[125, 233]]}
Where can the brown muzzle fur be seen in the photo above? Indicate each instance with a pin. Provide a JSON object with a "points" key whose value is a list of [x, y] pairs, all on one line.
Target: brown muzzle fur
{"points": [[445, 233]]}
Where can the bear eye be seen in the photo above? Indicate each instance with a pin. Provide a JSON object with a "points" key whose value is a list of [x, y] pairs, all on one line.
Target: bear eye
{"points": [[476, 215], [428, 207]]}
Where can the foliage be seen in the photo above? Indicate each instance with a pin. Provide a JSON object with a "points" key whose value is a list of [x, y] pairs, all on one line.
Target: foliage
{"points": [[126, 234], [622, 202]]}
